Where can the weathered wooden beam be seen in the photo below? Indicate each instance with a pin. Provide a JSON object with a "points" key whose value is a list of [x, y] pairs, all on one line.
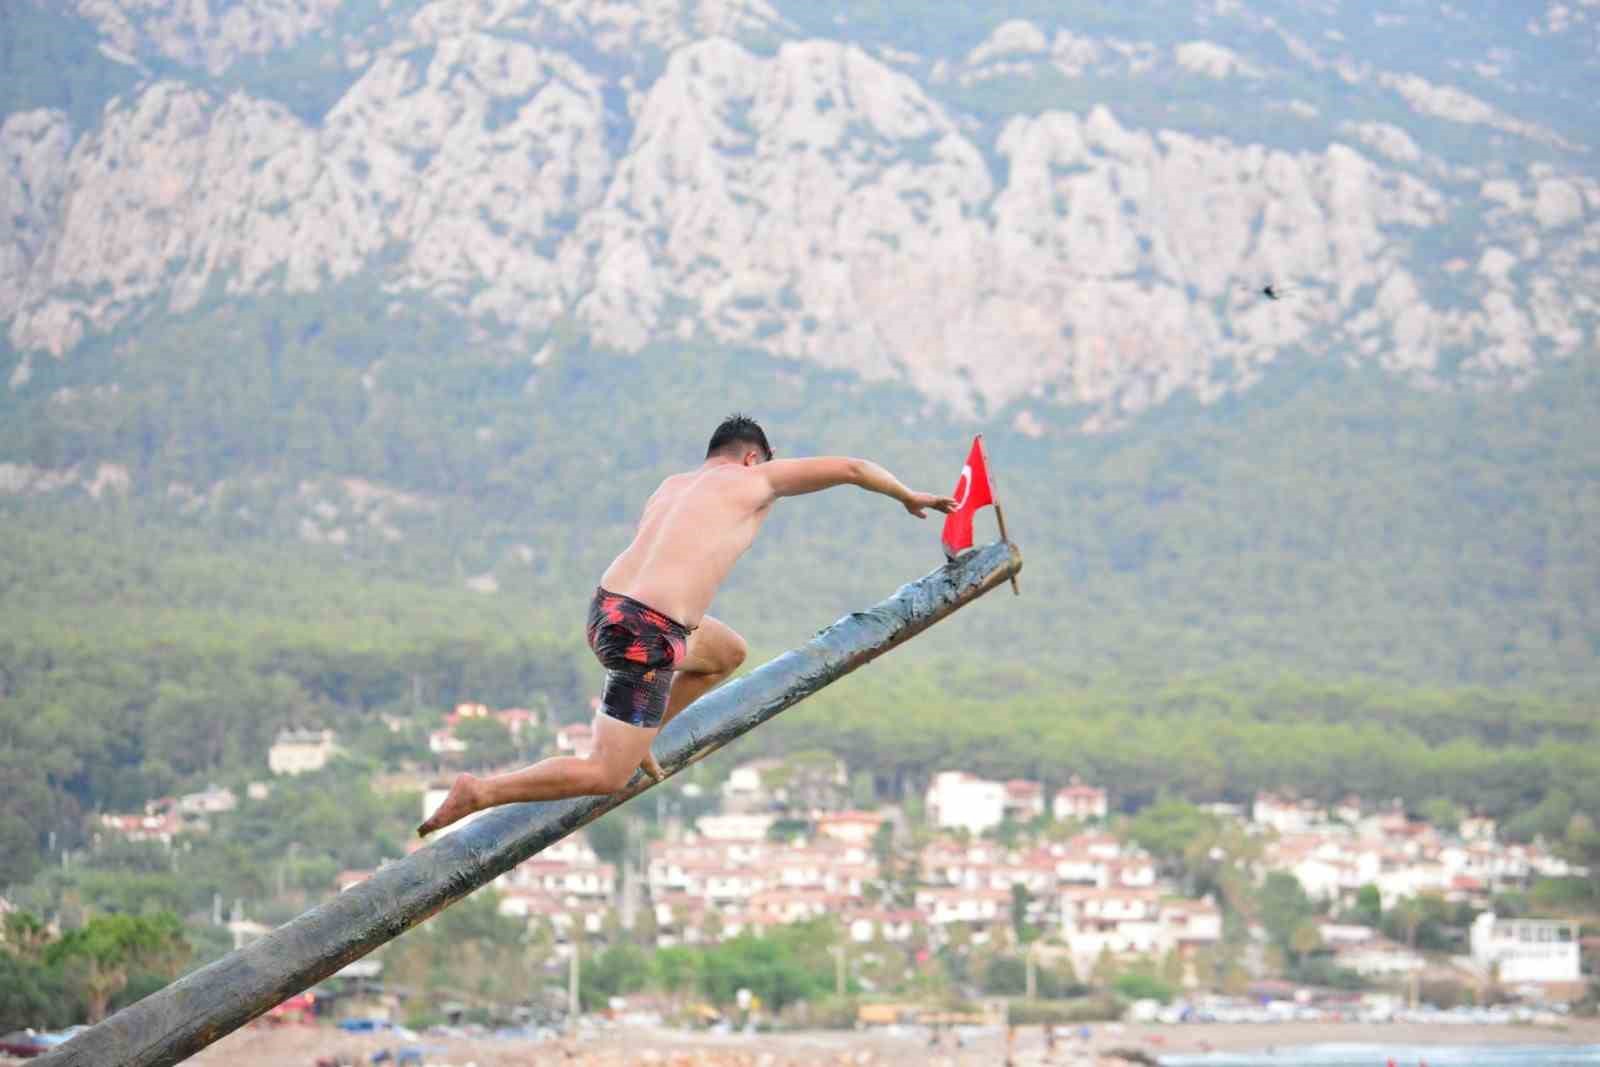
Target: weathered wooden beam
{"points": [[217, 999]]}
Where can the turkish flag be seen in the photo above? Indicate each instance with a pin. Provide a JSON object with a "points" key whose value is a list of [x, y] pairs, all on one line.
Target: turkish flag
{"points": [[972, 492]]}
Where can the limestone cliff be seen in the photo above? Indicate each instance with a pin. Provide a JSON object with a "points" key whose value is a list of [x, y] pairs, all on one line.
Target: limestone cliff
{"points": [[1057, 215]]}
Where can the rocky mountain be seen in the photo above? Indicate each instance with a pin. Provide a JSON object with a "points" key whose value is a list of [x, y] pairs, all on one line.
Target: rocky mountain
{"points": [[1064, 214]]}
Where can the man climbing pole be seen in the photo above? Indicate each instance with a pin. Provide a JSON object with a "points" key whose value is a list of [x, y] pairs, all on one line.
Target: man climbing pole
{"points": [[647, 622]]}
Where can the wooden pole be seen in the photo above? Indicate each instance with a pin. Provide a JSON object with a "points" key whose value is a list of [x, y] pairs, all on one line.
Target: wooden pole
{"points": [[176, 1022], [999, 513]]}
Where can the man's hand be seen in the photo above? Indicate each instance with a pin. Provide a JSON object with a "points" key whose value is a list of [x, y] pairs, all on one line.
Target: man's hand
{"points": [[918, 503]]}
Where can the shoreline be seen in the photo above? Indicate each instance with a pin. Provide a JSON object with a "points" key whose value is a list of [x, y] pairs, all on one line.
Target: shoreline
{"points": [[264, 1046], [1186, 1038]]}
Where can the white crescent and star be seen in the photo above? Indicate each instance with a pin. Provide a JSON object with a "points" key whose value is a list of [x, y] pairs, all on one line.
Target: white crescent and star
{"points": [[963, 486]]}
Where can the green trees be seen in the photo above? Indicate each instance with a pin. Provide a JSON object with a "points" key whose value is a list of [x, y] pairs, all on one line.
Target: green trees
{"points": [[47, 981], [32, 993], [791, 963], [1286, 914], [616, 970], [99, 958], [471, 952]]}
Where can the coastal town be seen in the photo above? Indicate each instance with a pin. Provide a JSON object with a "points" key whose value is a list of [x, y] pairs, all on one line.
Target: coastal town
{"points": [[1055, 875]]}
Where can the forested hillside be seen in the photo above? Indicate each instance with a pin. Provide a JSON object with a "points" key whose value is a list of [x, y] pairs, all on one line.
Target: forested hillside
{"points": [[1395, 586], [343, 340]]}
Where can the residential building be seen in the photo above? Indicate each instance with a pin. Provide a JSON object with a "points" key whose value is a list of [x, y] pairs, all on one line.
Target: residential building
{"points": [[1024, 800], [973, 906], [797, 905], [444, 742], [516, 720], [1131, 872], [1116, 921], [564, 916], [1190, 924], [958, 800], [566, 880], [1079, 801], [852, 827], [209, 801], [746, 789], [302, 751], [1527, 950], [1348, 810], [736, 826], [162, 827], [1378, 957], [896, 926], [1285, 814]]}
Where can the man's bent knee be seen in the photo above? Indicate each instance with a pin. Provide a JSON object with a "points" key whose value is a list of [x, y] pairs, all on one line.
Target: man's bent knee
{"points": [[726, 656], [603, 779]]}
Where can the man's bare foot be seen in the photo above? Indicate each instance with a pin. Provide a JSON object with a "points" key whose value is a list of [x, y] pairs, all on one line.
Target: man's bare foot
{"points": [[651, 767], [462, 801]]}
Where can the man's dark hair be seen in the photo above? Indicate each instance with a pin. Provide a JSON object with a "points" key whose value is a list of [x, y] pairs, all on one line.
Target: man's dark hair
{"points": [[738, 430]]}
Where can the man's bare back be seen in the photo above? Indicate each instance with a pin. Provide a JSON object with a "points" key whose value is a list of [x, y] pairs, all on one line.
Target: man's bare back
{"points": [[648, 622], [695, 527]]}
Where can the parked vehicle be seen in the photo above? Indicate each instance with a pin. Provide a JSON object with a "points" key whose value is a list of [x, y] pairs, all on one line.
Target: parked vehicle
{"points": [[24, 1044]]}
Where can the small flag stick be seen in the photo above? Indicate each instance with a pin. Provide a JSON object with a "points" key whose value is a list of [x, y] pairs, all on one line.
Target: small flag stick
{"points": [[999, 515]]}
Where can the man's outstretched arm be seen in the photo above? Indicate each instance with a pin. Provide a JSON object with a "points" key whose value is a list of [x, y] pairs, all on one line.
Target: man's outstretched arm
{"points": [[795, 477]]}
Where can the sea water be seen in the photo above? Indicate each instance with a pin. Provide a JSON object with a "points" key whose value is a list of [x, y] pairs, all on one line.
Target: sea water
{"points": [[1380, 1055]]}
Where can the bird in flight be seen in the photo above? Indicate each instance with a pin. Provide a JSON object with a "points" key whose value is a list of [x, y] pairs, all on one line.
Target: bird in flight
{"points": [[1270, 291]]}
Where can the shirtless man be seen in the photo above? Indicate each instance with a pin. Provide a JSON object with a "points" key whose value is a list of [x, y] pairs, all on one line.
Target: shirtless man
{"points": [[648, 624]]}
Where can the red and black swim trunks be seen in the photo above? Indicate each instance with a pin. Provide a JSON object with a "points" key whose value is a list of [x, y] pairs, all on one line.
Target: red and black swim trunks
{"points": [[640, 648]]}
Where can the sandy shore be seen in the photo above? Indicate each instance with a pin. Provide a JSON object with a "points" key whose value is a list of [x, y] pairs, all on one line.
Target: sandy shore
{"points": [[301, 1046]]}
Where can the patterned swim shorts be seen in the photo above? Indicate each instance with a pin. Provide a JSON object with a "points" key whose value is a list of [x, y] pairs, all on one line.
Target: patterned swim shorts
{"points": [[640, 648]]}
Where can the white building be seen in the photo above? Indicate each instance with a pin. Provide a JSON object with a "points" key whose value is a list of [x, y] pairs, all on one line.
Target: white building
{"points": [[1024, 800], [1079, 801], [735, 826], [301, 751], [209, 801], [1411, 880], [564, 880], [958, 800], [1526, 950], [444, 741], [895, 926], [1287, 815], [1190, 923], [162, 827], [851, 827], [1120, 922], [746, 788], [980, 906], [1377, 957]]}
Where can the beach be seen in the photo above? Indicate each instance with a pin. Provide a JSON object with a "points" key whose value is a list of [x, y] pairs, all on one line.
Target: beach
{"points": [[1218, 1043]]}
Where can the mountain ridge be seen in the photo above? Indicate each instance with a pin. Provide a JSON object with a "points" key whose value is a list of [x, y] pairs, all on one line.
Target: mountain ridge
{"points": [[1097, 200]]}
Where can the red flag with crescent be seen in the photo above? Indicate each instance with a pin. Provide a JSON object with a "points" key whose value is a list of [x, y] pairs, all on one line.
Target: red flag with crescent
{"points": [[972, 492]]}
